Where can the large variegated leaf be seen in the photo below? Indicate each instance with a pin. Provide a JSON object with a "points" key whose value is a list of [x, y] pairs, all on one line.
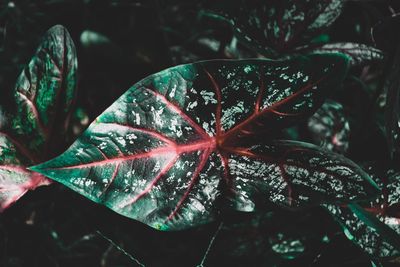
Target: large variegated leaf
{"points": [[162, 152], [30, 127], [277, 26]]}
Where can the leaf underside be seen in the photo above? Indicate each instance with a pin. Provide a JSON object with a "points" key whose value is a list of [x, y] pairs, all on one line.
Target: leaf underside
{"points": [[176, 141], [40, 108]]}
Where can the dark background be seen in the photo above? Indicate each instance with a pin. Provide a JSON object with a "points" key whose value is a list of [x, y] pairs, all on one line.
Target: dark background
{"points": [[53, 226]]}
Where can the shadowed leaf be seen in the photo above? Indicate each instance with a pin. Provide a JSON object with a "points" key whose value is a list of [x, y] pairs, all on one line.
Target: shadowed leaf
{"points": [[276, 27], [330, 128]]}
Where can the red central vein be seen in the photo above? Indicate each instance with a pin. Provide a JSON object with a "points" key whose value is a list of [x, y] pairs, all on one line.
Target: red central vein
{"points": [[178, 110], [217, 89], [170, 149], [35, 113], [193, 180]]}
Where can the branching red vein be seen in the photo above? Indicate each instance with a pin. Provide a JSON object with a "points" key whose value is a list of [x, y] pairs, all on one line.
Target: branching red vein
{"points": [[166, 168], [271, 108], [217, 90], [192, 182], [176, 109]]}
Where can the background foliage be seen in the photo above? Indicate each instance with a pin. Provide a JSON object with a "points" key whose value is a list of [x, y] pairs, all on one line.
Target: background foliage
{"points": [[119, 43]]}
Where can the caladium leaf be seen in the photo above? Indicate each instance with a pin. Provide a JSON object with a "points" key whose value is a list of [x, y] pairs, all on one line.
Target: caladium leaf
{"points": [[330, 128], [42, 101], [374, 227], [358, 53], [160, 153], [276, 27]]}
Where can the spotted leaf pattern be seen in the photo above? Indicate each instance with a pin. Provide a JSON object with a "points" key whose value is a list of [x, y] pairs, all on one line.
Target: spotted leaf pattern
{"points": [[164, 153], [296, 174]]}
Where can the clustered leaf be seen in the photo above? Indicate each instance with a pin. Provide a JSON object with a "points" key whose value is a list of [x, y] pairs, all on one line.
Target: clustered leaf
{"points": [[33, 125], [374, 227], [274, 27], [279, 29]]}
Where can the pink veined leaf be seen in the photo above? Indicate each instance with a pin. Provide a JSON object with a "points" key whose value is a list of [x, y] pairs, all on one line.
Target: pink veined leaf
{"points": [[167, 149], [30, 131]]}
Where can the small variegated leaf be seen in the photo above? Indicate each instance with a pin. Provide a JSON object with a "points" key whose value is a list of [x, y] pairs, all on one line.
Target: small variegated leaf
{"points": [[42, 102], [329, 127], [358, 53], [161, 152]]}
